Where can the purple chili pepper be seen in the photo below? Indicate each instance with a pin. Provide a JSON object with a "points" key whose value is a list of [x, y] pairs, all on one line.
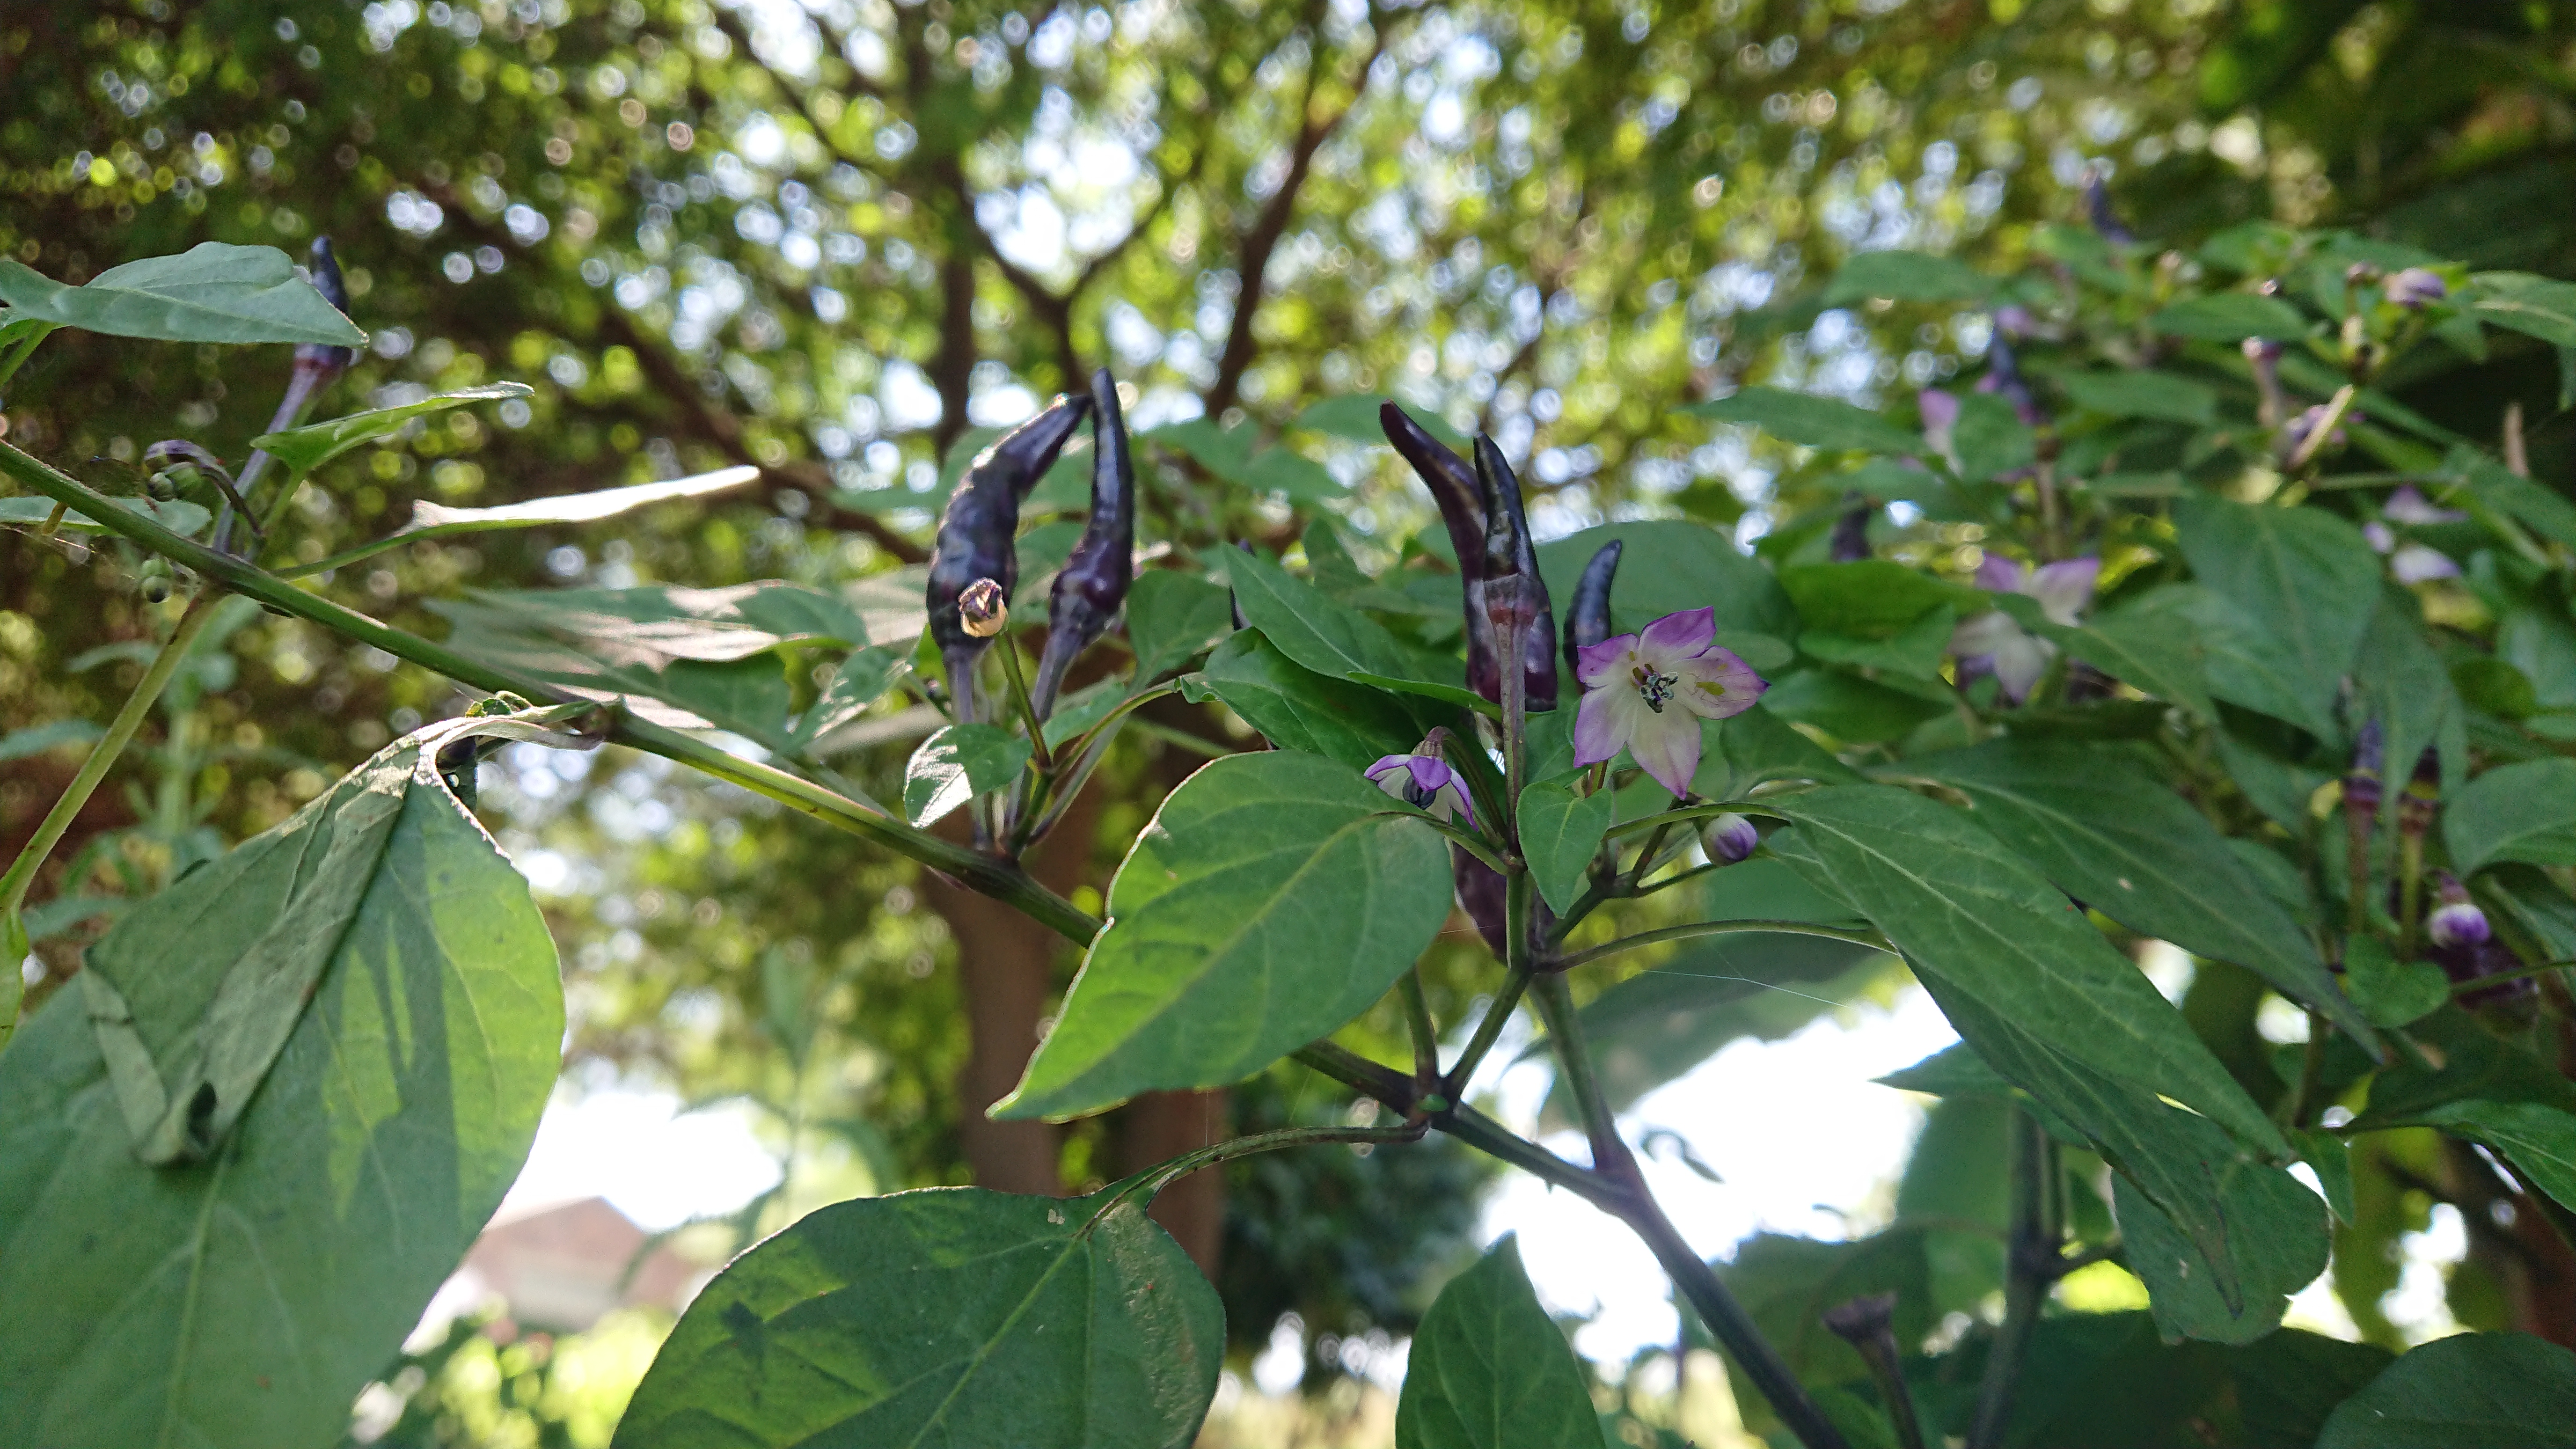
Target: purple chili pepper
{"points": [[1454, 488], [317, 366], [2097, 207], [976, 534], [1093, 584], [1514, 592], [1587, 622]]}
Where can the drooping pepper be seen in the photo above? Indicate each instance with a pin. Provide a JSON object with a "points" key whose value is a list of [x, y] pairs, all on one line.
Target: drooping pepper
{"points": [[1454, 487], [1093, 584], [317, 366], [976, 535], [1587, 622]]}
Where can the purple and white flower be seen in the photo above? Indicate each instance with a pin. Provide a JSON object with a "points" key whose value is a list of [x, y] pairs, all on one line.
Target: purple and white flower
{"points": [[1647, 692], [1995, 643], [2409, 505], [1729, 838], [2412, 563], [2457, 921], [2414, 287], [1424, 782]]}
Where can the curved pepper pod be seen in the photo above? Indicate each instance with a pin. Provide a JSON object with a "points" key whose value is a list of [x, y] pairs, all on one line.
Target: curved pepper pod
{"points": [[323, 361], [1588, 622], [976, 534], [1093, 585], [1514, 592], [1453, 487]]}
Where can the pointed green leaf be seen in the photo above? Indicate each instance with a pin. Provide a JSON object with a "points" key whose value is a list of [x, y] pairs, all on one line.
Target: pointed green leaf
{"points": [[1333, 639], [1871, 599], [2389, 991], [2302, 576], [1990, 438], [1906, 277], [2487, 1091], [179, 515], [213, 292], [865, 677], [2140, 650], [2404, 685], [1490, 1370], [52, 735], [1298, 709], [2276, 1244], [2524, 812], [2136, 394], [2472, 1391], [306, 448], [949, 1316], [1809, 421], [2541, 307], [1173, 617], [1298, 478], [1560, 834], [1273, 898], [1355, 416], [1666, 566], [2231, 317], [240, 1303], [2105, 832], [958, 763]]}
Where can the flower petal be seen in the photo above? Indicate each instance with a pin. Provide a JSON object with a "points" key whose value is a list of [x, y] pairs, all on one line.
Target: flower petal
{"points": [[1600, 664], [1453, 796], [1667, 746], [2020, 663], [1718, 684], [1601, 726], [1983, 633], [1997, 574], [2416, 564], [2063, 589], [1676, 637]]}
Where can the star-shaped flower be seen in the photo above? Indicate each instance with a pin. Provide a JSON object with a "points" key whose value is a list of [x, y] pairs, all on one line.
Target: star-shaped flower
{"points": [[1993, 643], [1647, 692], [1424, 782]]}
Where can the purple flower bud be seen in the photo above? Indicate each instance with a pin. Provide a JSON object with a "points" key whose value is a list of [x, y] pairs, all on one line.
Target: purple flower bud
{"points": [[976, 534], [2308, 422], [1729, 838], [2004, 378], [2408, 505], [2457, 921], [1587, 622], [1094, 580], [2415, 287]]}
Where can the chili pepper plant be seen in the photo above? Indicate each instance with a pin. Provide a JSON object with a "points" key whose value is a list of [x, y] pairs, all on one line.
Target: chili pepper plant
{"points": [[2171, 624]]}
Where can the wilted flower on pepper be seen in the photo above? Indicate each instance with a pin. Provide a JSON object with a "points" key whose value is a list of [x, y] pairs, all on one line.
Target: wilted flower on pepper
{"points": [[982, 610], [1424, 782], [2414, 287], [1994, 643], [1647, 692], [2308, 422], [1729, 838]]}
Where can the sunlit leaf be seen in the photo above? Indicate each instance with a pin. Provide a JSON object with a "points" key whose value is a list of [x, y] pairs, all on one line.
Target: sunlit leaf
{"points": [[213, 292], [1490, 1369], [306, 448], [957, 764], [1809, 421]]}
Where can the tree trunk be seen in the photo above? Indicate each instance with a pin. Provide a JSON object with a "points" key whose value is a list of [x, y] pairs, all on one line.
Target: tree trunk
{"points": [[1161, 1125]]}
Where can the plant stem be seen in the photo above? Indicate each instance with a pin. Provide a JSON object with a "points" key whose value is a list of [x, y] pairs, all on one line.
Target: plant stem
{"points": [[25, 349], [1426, 1036], [2032, 1251], [1488, 1029], [1871, 939], [2410, 904], [1018, 678], [990, 875], [1610, 1155], [1155, 1178], [102, 756]]}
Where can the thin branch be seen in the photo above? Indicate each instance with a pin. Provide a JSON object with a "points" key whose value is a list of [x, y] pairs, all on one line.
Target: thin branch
{"points": [[1871, 939]]}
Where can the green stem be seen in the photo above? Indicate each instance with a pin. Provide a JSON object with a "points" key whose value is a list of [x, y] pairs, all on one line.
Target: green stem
{"points": [[17, 357], [2032, 1251], [1689, 813], [2410, 880], [1646, 858], [1555, 1003], [1871, 939], [1157, 1177], [1488, 1030], [981, 872], [102, 756], [1017, 674], [1467, 841], [1426, 1036]]}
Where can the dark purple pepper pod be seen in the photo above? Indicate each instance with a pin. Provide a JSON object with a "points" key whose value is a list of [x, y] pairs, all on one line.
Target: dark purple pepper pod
{"points": [[2098, 210], [1482, 894], [1508, 555], [1587, 621], [1093, 585], [324, 361], [1453, 487], [977, 532], [1850, 540]]}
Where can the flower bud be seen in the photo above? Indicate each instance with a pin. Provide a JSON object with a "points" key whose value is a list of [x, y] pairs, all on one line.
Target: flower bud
{"points": [[2457, 921], [153, 581], [1729, 838], [1587, 622], [981, 610], [1426, 782], [1093, 583], [2415, 288], [977, 530], [2360, 274], [2004, 379]]}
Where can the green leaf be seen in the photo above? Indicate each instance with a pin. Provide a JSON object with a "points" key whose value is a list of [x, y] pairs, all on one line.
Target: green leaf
{"points": [[2105, 832], [213, 292], [1491, 1370], [2275, 1241], [958, 763], [2472, 1391], [1355, 417], [1273, 898], [1915, 651], [1871, 599], [1906, 277], [1560, 834], [1848, 707], [2487, 1091], [2141, 650], [51, 735], [2107, 1381], [2402, 683], [306, 448], [2526, 502], [1667, 566], [1225, 452], [950, 1316], [1171, 618], [241, 1303], [2389, 991], [2231, 317], [179, 515], [1332, 638], [1761, 745], [1809, 421], [2137, 394], [1298, 709], [1968, 914], [2541, 307], [2302, 576], [1293, 476], [1990, 438], [2524, 812], [862, 679]]}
